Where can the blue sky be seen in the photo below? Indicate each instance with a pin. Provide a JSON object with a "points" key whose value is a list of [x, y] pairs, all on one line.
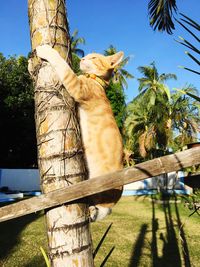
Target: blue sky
{"points": [[123, 24]]}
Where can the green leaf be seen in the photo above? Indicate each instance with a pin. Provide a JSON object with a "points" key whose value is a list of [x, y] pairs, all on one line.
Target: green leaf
{"points": [[192, 57], [167, 91], [194, 71], [45, 257], [191, 22], [189, 94]]}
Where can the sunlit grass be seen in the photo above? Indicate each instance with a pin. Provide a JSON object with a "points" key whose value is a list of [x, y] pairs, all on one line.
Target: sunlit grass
{"points": [[144, 234]]}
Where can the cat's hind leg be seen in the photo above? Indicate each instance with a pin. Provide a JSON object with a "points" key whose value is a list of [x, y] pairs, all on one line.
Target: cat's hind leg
{"points": [[99, 212]]}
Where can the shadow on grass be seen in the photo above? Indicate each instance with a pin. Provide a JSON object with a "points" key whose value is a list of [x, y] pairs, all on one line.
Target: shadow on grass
{"points": [[36, 261], [171, 250], [10, 233], [170, 247], [137, 250]]}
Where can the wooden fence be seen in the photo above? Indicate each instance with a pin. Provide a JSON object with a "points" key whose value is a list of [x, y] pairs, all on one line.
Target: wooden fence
{"points": [[87, 188]]}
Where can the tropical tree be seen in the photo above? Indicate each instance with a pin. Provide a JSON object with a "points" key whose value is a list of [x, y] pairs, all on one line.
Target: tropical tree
{"points": [[60, 154], [76, 51], [115, 90], [185, 118], [152, 83], [75, 41], [17, 112], [117, 98], [148, 120], [169, 124], [120, 74], [147, 127]]}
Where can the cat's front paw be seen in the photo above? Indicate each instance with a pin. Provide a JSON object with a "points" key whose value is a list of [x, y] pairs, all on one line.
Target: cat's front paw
{"points": [[44, 51]]}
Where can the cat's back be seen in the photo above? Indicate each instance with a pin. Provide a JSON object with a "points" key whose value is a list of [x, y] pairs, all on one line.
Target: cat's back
{"points": [[101, 137]]}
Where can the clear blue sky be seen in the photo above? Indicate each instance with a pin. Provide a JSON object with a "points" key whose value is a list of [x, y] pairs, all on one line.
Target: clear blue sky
{"points": [[123, 24]]}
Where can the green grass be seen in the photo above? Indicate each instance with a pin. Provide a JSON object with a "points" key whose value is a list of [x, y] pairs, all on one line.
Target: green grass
{"points": [[144, 234]]}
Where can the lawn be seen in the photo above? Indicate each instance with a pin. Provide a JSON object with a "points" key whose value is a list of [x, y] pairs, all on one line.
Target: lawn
{"points": [[143, 233]]}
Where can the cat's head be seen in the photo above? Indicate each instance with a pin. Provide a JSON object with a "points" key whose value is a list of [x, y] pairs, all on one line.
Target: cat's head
{"points": [[100, 65]]}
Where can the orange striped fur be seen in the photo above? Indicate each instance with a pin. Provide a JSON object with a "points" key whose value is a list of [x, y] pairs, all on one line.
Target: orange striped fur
{"points": [[101, 137]]}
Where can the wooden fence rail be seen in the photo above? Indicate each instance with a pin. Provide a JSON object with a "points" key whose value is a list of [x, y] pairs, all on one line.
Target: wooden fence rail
{"points": [[139, 172]]}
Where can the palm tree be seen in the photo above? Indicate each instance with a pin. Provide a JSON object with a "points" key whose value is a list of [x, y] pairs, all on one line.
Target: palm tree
{"points": [[76, 51], [120, 74], [146, 127], [58, 134], [185, 118], [115, 90], [75, 42], [153, 83], [148, 121], [151, 130]]}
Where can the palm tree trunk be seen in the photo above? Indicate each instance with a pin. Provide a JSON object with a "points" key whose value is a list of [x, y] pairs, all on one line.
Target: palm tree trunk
{"points": [[60, 153]]}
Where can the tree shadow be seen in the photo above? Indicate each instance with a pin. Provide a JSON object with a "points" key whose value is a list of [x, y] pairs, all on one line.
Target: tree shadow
{"points": [[137, 249], [184, 245], [10, 233], [36, 261], [171, 250]]}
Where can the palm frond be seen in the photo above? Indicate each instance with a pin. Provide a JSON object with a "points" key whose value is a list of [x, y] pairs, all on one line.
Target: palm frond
{"points": [[126, 74], [75, 41], [183, 91], [191, 70], [188, 44], [124, 61], [191, 22], [188, 30], [160, 14], [111, 50], [147, 71], [192, 57], [166, 91], [167, 76]]}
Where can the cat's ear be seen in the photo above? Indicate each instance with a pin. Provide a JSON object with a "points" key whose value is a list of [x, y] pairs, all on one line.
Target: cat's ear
{"points": [[116, 59]]}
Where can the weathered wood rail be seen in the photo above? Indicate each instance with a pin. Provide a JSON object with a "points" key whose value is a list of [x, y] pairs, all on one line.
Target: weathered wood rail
{"points": [[90, 187]]}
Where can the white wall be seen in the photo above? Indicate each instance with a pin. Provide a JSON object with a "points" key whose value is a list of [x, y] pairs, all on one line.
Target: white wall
{"points": [[173, 182], [28, 180]]}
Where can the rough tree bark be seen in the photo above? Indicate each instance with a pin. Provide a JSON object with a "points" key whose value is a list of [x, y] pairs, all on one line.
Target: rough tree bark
{"points": [[60, 154]]}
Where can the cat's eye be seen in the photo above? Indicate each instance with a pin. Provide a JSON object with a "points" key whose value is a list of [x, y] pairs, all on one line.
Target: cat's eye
{"points": [[93, 57]]}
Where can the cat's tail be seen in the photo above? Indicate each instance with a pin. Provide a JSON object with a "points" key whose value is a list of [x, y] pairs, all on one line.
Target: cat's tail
{"points": [[99, 212]]}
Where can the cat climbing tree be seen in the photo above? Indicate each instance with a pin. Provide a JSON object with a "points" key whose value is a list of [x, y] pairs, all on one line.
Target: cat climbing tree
{"points": [[60, 154]]}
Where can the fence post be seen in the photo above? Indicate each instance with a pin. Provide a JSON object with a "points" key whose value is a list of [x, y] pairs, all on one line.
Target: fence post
{"points": [[60, 153]]}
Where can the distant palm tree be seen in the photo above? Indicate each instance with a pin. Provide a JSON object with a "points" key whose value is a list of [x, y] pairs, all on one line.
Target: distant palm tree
{"points": [[148, 121], [75, 42], [76, 51], [151, 130], [120, 74], [185, 118], [147, 127], [152, 83]]}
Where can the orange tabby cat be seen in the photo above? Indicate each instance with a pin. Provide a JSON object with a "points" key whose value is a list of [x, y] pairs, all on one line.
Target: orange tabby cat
{"points": [[101, 137]]}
